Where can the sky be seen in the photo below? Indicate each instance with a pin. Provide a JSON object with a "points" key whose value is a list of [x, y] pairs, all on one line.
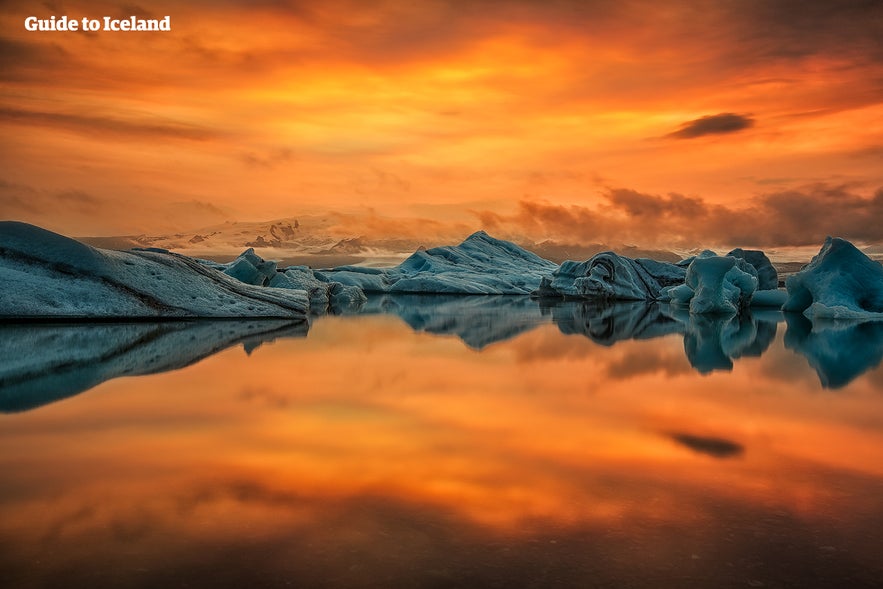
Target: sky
{"points": [[685, 123]]}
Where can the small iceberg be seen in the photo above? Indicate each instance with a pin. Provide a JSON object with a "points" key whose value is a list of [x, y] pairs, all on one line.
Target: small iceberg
{"points": [[324, 296]]}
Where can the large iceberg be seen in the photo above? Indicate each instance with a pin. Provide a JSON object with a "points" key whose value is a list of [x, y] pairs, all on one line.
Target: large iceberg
{"points": [[480, 265], [608, 276], [727, 284], [46, 275], [840, 282]]}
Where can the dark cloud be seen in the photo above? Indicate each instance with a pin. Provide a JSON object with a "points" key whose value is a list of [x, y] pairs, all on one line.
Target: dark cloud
{"points": [[30, 61], [795, 217], [105, 126], [719, 124], [716, 447]]}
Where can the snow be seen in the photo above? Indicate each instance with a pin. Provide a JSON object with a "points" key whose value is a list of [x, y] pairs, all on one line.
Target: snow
{"points": [[608, 276], [840, 282], [64, 360], [481, 264], [43, 274]]}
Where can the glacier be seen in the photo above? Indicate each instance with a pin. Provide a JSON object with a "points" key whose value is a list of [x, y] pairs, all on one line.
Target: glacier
{"points": [[840, 282], [46, 275]]}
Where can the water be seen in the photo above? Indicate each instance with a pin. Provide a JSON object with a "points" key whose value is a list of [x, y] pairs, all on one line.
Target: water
{"points": [[444, 442]]}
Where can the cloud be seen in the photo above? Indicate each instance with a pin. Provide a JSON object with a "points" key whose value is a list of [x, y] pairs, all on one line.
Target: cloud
{"points": [[795, 217], [716, 447], [119, 128], [720, 124]]}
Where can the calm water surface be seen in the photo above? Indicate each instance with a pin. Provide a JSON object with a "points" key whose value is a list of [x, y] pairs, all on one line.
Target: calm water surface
{"points": [[460, 442]]}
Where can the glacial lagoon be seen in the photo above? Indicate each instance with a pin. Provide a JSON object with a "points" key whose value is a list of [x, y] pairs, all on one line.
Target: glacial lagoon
{"points": [[444, 442]]}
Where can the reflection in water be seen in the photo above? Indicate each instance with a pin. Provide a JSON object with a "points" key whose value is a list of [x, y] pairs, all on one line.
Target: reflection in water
{"points": [[477, 320], [368, 455], [607, 324], [839, 351], [45, 363], [49, 362], [713, 342]]}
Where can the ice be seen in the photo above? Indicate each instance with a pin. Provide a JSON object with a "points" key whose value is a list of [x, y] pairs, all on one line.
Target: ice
{"points": [[767, 276], [324, 296], [43, 274], [840, 282], [727, 284], [608, 276], [481, 264]]}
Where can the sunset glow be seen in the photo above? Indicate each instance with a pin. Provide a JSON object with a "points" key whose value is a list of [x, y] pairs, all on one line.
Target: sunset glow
{"points": [[460, 113]]}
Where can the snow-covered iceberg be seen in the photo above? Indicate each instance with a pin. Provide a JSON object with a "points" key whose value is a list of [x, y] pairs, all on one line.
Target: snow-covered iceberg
{"points": [[324, 296], [46, 363], [611, 277], [840, 282], [727, 284], [481, 264], [43, 274]]}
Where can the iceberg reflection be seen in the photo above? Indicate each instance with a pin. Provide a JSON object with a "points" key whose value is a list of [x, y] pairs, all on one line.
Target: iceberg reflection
{"points": [[44, 363], [47, 363], [478, 321], [838, 350]]}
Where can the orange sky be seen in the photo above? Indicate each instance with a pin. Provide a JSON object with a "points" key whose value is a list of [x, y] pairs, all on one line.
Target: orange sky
{"points": [[590, 120]]}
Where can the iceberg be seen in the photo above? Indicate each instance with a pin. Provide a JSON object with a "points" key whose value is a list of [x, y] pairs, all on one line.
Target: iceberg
{"points": [[481, 264], [324, 296], [46, 275], [840, 282], [727, 284], [611, 277]]}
